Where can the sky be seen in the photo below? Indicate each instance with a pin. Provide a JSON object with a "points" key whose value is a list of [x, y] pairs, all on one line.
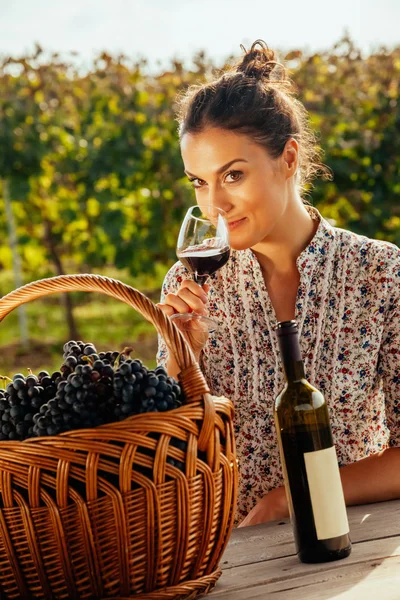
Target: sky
{"points": [[163, 29]]}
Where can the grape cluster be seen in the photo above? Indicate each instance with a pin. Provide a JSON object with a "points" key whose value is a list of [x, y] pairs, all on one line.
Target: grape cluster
{"points": [[81, 353], [84, 399], [140, 390], [79, 350], [90, 389], [22, 398]]}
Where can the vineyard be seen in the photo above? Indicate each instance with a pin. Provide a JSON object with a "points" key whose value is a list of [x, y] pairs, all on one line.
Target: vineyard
{"points": [[91, 178]]}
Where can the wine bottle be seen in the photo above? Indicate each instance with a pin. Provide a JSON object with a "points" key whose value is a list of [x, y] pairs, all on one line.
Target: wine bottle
{"points": [[311, 472]]}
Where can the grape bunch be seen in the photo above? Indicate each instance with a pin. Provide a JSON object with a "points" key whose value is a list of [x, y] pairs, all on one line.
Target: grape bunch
{"points": [[79, 350], [81, 353], [23, 397], [140, 390], [83, 399], [90, 389]]}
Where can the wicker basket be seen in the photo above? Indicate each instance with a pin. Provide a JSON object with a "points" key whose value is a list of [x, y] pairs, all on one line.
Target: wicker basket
{"points": [[79, 519]]}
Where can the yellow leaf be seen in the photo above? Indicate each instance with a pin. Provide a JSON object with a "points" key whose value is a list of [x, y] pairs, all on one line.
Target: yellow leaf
{"points": [[140, 118], [93, 207], [39, 96], [293, 55], [6, 257]]}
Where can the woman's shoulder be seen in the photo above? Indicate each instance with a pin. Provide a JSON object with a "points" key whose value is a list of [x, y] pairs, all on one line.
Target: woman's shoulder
{"points": [[370, 252]]}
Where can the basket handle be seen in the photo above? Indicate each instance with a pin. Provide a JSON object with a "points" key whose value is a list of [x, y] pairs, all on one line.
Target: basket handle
{"points": [[190, 375]]}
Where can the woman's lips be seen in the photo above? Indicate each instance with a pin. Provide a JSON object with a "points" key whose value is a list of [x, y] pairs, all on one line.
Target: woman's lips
{"points": [[235, 224]]}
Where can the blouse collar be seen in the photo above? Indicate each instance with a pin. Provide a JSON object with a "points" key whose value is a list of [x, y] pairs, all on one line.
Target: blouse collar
{"points": [[319, 248], [315, 253]]}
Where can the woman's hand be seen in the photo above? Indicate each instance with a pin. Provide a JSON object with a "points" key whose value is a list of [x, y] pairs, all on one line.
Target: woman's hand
{"points": [[271, 507], [189, 298]]}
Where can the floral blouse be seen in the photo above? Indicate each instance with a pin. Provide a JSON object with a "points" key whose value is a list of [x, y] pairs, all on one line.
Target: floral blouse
{"points": [[348, 311]]}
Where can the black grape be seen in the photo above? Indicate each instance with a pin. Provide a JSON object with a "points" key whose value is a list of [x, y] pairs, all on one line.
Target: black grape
{"points": [[84, 399], [140, 390], [20, 401]]}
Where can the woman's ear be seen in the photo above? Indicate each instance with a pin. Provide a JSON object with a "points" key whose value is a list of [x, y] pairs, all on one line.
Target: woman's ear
{"points": [[291, 157]]}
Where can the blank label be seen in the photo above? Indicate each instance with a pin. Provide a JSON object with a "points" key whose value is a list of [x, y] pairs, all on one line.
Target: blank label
{"points": [[326, 493]]}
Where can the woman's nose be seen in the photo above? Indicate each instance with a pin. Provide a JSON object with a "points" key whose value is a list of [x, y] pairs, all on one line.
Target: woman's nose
{"points": [[218, 198]]}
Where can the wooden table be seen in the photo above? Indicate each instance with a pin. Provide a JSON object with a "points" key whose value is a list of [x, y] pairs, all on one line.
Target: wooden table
{"points": [[260, 562]]}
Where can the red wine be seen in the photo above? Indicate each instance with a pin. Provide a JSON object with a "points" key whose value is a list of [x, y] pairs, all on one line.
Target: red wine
{"points": [[204, 260], [311, 472]]}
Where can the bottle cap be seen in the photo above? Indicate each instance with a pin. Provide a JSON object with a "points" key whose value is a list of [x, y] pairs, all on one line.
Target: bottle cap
{"points": [[286, 325], [285, 328]]}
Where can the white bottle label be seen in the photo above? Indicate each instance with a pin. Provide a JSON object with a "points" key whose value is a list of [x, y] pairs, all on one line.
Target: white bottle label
{"points": [[326, 493]]}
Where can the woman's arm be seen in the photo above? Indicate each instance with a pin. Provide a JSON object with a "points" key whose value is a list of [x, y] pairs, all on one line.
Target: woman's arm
{"points": [[193, 335], [188, 297], [374, 478], [172, 366], [179, 294]]}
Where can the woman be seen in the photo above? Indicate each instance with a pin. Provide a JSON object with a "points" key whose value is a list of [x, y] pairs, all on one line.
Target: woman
{"points": [[247, 147]]}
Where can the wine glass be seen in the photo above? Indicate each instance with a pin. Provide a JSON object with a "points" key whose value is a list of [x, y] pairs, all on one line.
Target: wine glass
{"points": [[203, 248]]}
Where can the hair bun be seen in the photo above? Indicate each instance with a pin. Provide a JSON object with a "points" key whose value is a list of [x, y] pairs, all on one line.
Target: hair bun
{"points": [[257, 62]]}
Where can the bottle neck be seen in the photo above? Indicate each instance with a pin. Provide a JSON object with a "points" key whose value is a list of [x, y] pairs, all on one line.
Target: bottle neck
{"points": [[291, 357]]}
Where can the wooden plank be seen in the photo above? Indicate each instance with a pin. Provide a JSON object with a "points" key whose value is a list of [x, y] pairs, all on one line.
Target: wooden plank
{"points": [[272, 540], [282, 572], [352, 582], [267, 541]]}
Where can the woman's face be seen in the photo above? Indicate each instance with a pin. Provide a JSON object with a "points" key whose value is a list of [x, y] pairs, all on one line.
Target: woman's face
{"points": [[230, 171]]}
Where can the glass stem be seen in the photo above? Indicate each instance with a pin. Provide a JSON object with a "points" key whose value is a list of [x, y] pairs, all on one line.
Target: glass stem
{"points": [[200, 279]]}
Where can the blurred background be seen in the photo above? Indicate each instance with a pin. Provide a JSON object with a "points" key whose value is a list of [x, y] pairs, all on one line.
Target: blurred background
{"points": [[91, 178]]}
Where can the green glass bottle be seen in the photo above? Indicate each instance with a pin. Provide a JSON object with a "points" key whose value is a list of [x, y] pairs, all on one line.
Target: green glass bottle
{"points": [[311, 472]]}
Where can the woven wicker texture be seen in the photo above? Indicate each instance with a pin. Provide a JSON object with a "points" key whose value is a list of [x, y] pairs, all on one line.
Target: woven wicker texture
{"points": [[100, 513]]}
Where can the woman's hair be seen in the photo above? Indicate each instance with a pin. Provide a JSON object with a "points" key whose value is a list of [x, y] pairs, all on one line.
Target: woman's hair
{"points": [[255, 98]]}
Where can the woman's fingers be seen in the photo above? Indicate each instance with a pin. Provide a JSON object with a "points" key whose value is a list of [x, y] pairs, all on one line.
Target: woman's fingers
{"points": [[194, 287], [190, 297], [177, 303], [167, 310], [195, 302]]}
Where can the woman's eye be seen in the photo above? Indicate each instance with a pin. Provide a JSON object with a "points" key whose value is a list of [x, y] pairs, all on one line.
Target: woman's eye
{"points": [[196, 182], [235, 176]]}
